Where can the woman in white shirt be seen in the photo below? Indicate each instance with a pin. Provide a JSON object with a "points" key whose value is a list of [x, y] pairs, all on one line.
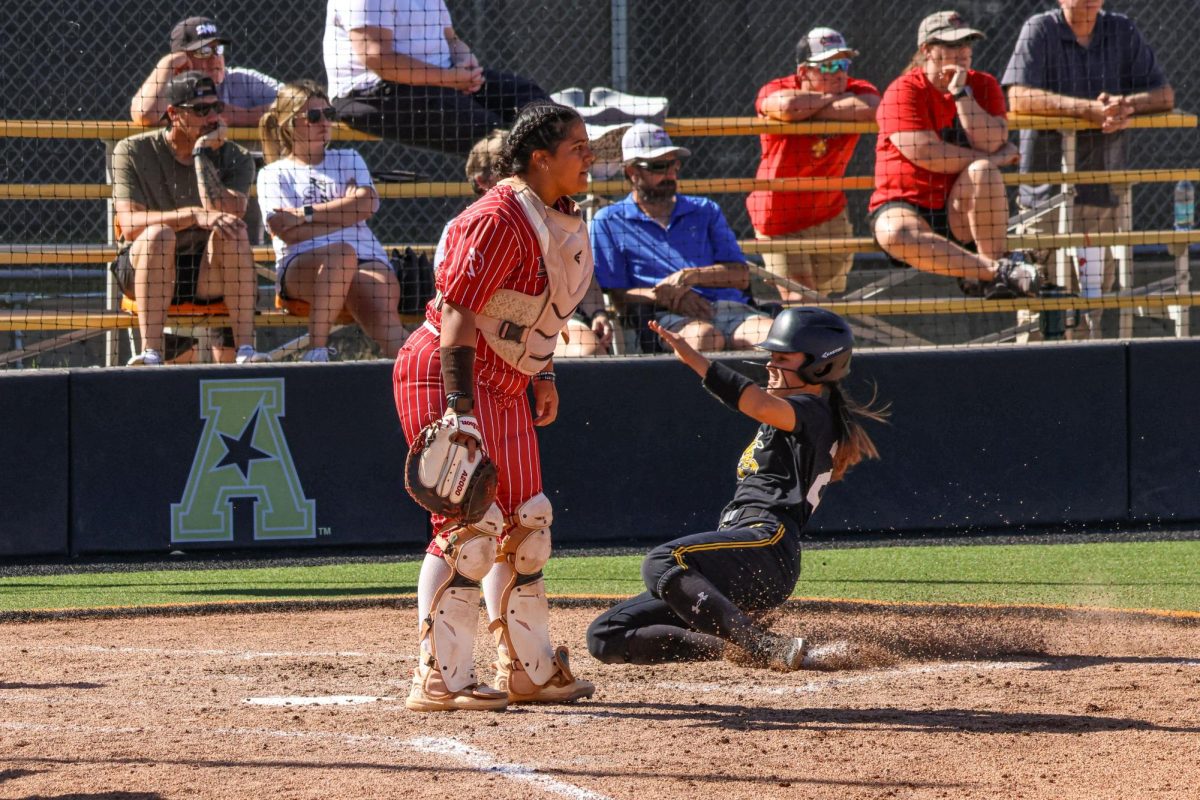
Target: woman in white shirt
{"points": [[316, 203]]}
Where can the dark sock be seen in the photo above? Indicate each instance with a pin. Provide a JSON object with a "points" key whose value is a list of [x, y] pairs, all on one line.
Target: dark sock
{"points": [[693, 597], [658, 644]]}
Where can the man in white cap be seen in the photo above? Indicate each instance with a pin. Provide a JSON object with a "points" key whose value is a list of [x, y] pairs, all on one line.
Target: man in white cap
{"points": [[673, 256], [820, 89]]}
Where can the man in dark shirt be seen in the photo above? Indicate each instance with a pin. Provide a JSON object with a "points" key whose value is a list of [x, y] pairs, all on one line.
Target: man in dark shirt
{"points": [[1081, 61]]}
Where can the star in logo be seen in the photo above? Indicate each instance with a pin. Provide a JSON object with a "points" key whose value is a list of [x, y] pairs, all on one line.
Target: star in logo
{"points": [[240, 451]]}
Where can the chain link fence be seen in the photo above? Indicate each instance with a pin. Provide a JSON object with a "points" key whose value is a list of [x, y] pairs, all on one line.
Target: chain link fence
{"points": [[73, 60]]}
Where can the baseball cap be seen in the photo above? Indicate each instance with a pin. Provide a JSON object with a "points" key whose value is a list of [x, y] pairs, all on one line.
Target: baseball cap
{"points": [[822, 44], [195, 32], [946, 26], [187, 87], [647, 141]]}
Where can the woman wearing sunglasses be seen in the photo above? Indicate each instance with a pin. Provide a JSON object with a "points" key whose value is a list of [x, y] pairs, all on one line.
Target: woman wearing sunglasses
{"points": [[820, 89], [316, 203]]}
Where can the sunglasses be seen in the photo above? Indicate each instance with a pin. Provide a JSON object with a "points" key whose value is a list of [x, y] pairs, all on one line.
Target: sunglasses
{"points": [[207, 51], [835, 66], [315, 115], [658, 167], [205, 109]]}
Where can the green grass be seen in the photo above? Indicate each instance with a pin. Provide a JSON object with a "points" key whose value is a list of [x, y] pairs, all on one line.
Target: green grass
{"points": [[1134, 575]]}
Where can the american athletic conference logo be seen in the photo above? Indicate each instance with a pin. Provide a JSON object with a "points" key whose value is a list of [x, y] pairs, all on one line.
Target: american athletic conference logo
{"points": [[242, 453]]}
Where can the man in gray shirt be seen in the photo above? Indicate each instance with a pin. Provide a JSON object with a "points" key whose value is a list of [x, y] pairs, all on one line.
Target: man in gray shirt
{"points": [[1081, 61], [198, 44], [179, 194]]}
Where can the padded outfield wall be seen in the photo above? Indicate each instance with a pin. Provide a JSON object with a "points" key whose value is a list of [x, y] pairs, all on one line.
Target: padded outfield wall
{"points": [[195, 458]]}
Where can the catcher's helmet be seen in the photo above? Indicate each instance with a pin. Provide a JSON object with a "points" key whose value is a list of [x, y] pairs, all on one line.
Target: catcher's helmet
{"points": [[822, 335]]}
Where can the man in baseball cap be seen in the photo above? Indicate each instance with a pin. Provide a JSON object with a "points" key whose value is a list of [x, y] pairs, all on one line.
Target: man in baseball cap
{"points": [[673, 257], [946, 27], [823, 44], [820, 88], [197, 44], [646, 142]]}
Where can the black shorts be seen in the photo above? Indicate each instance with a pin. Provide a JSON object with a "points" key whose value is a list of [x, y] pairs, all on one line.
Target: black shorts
{"points": [[938, 219], [756, 564], [187, 277]]}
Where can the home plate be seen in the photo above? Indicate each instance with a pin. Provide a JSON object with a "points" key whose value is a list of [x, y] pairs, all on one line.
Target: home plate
{"points": [[327, 700]]}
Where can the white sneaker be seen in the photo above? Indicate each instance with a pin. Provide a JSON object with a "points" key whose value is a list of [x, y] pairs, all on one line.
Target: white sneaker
{"points": [[246, 354], [319, 355], [147, 358]]}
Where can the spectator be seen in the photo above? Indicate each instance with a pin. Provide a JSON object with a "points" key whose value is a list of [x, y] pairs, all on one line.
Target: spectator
{"points": [[943, 138], [820, 89], [197, 44], [673, 253], [398, 70], [316, 203], [1080, 61], [179, 194], [589, 329]]}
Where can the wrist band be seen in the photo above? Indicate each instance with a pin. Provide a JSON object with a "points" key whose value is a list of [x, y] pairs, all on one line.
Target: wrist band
{"points": [[726, 384], [545, 376], [458, 370]]}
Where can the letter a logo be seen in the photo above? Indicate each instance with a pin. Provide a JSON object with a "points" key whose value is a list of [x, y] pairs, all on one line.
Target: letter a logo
{"points": [[242, 454]]}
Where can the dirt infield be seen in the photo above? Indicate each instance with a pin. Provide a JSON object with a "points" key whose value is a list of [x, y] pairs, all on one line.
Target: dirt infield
{"points": [[932, 703]]}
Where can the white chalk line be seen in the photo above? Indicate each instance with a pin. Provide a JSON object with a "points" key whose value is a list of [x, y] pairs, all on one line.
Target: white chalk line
{"points": [[185, 652], [815, 686], [485, 762], [473, 757], [326, 700]]}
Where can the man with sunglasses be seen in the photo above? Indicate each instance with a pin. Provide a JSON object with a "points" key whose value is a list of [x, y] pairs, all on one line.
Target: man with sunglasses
{"points": [[198, 45], [179, 194], [820, 89], [672, 257]]}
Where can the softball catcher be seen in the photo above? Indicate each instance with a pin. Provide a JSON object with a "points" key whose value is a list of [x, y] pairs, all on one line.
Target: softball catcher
{"points": [[703, 590], [517, 265]]}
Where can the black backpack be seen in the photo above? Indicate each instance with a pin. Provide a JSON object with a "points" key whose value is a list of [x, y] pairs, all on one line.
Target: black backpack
{"points": [[416, 280]]}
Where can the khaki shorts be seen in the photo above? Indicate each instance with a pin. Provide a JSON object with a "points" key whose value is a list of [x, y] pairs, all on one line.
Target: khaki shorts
{"points": [[823, 273]]}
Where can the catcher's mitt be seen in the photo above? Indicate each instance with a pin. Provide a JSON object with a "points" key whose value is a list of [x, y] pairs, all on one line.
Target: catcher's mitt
{"points": [[441, 475]]}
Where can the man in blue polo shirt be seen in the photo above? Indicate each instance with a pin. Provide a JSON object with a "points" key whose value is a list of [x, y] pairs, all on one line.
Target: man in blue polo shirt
{"points": [[673, 255], [1081, 61]]}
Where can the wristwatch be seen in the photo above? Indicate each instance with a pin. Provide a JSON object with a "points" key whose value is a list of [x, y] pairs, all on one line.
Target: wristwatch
{"points": [[963, 92], [308, 213]]}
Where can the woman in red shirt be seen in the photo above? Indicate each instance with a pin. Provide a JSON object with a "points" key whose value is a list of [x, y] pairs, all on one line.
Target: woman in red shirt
{"points": [[943, 138]]}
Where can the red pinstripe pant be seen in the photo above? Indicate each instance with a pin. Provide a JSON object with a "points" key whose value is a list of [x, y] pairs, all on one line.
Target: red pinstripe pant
{"points": [[501, 406]]}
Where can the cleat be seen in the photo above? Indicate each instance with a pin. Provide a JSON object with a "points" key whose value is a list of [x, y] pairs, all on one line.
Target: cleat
{"points": [[787, 655], [563, 686], [429, 693]]}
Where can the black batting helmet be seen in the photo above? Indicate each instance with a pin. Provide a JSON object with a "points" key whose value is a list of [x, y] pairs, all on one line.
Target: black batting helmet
{"points": [[821, 335]]}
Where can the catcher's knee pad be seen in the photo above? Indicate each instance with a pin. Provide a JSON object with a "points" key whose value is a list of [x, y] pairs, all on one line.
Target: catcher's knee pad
{"points": [[471, 551], [527, 546]]}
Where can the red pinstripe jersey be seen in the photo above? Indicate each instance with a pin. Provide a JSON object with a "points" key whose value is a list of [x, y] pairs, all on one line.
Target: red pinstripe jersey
{"points": [[491, 246]]}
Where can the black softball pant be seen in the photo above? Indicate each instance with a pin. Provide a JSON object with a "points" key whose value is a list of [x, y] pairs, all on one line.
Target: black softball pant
{"points": [[435, 117], [755, 566]]}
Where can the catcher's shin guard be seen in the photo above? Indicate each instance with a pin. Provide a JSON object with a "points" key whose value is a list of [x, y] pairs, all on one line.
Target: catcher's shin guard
{"points": [[529, 668], [445, 678]]}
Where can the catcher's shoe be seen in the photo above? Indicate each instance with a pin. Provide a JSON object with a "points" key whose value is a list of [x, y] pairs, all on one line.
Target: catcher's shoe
{"points": [[563, 686], [429, 693]]}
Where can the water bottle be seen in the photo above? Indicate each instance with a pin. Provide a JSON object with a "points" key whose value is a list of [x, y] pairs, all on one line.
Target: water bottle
{"points": [[1185, 206]]}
